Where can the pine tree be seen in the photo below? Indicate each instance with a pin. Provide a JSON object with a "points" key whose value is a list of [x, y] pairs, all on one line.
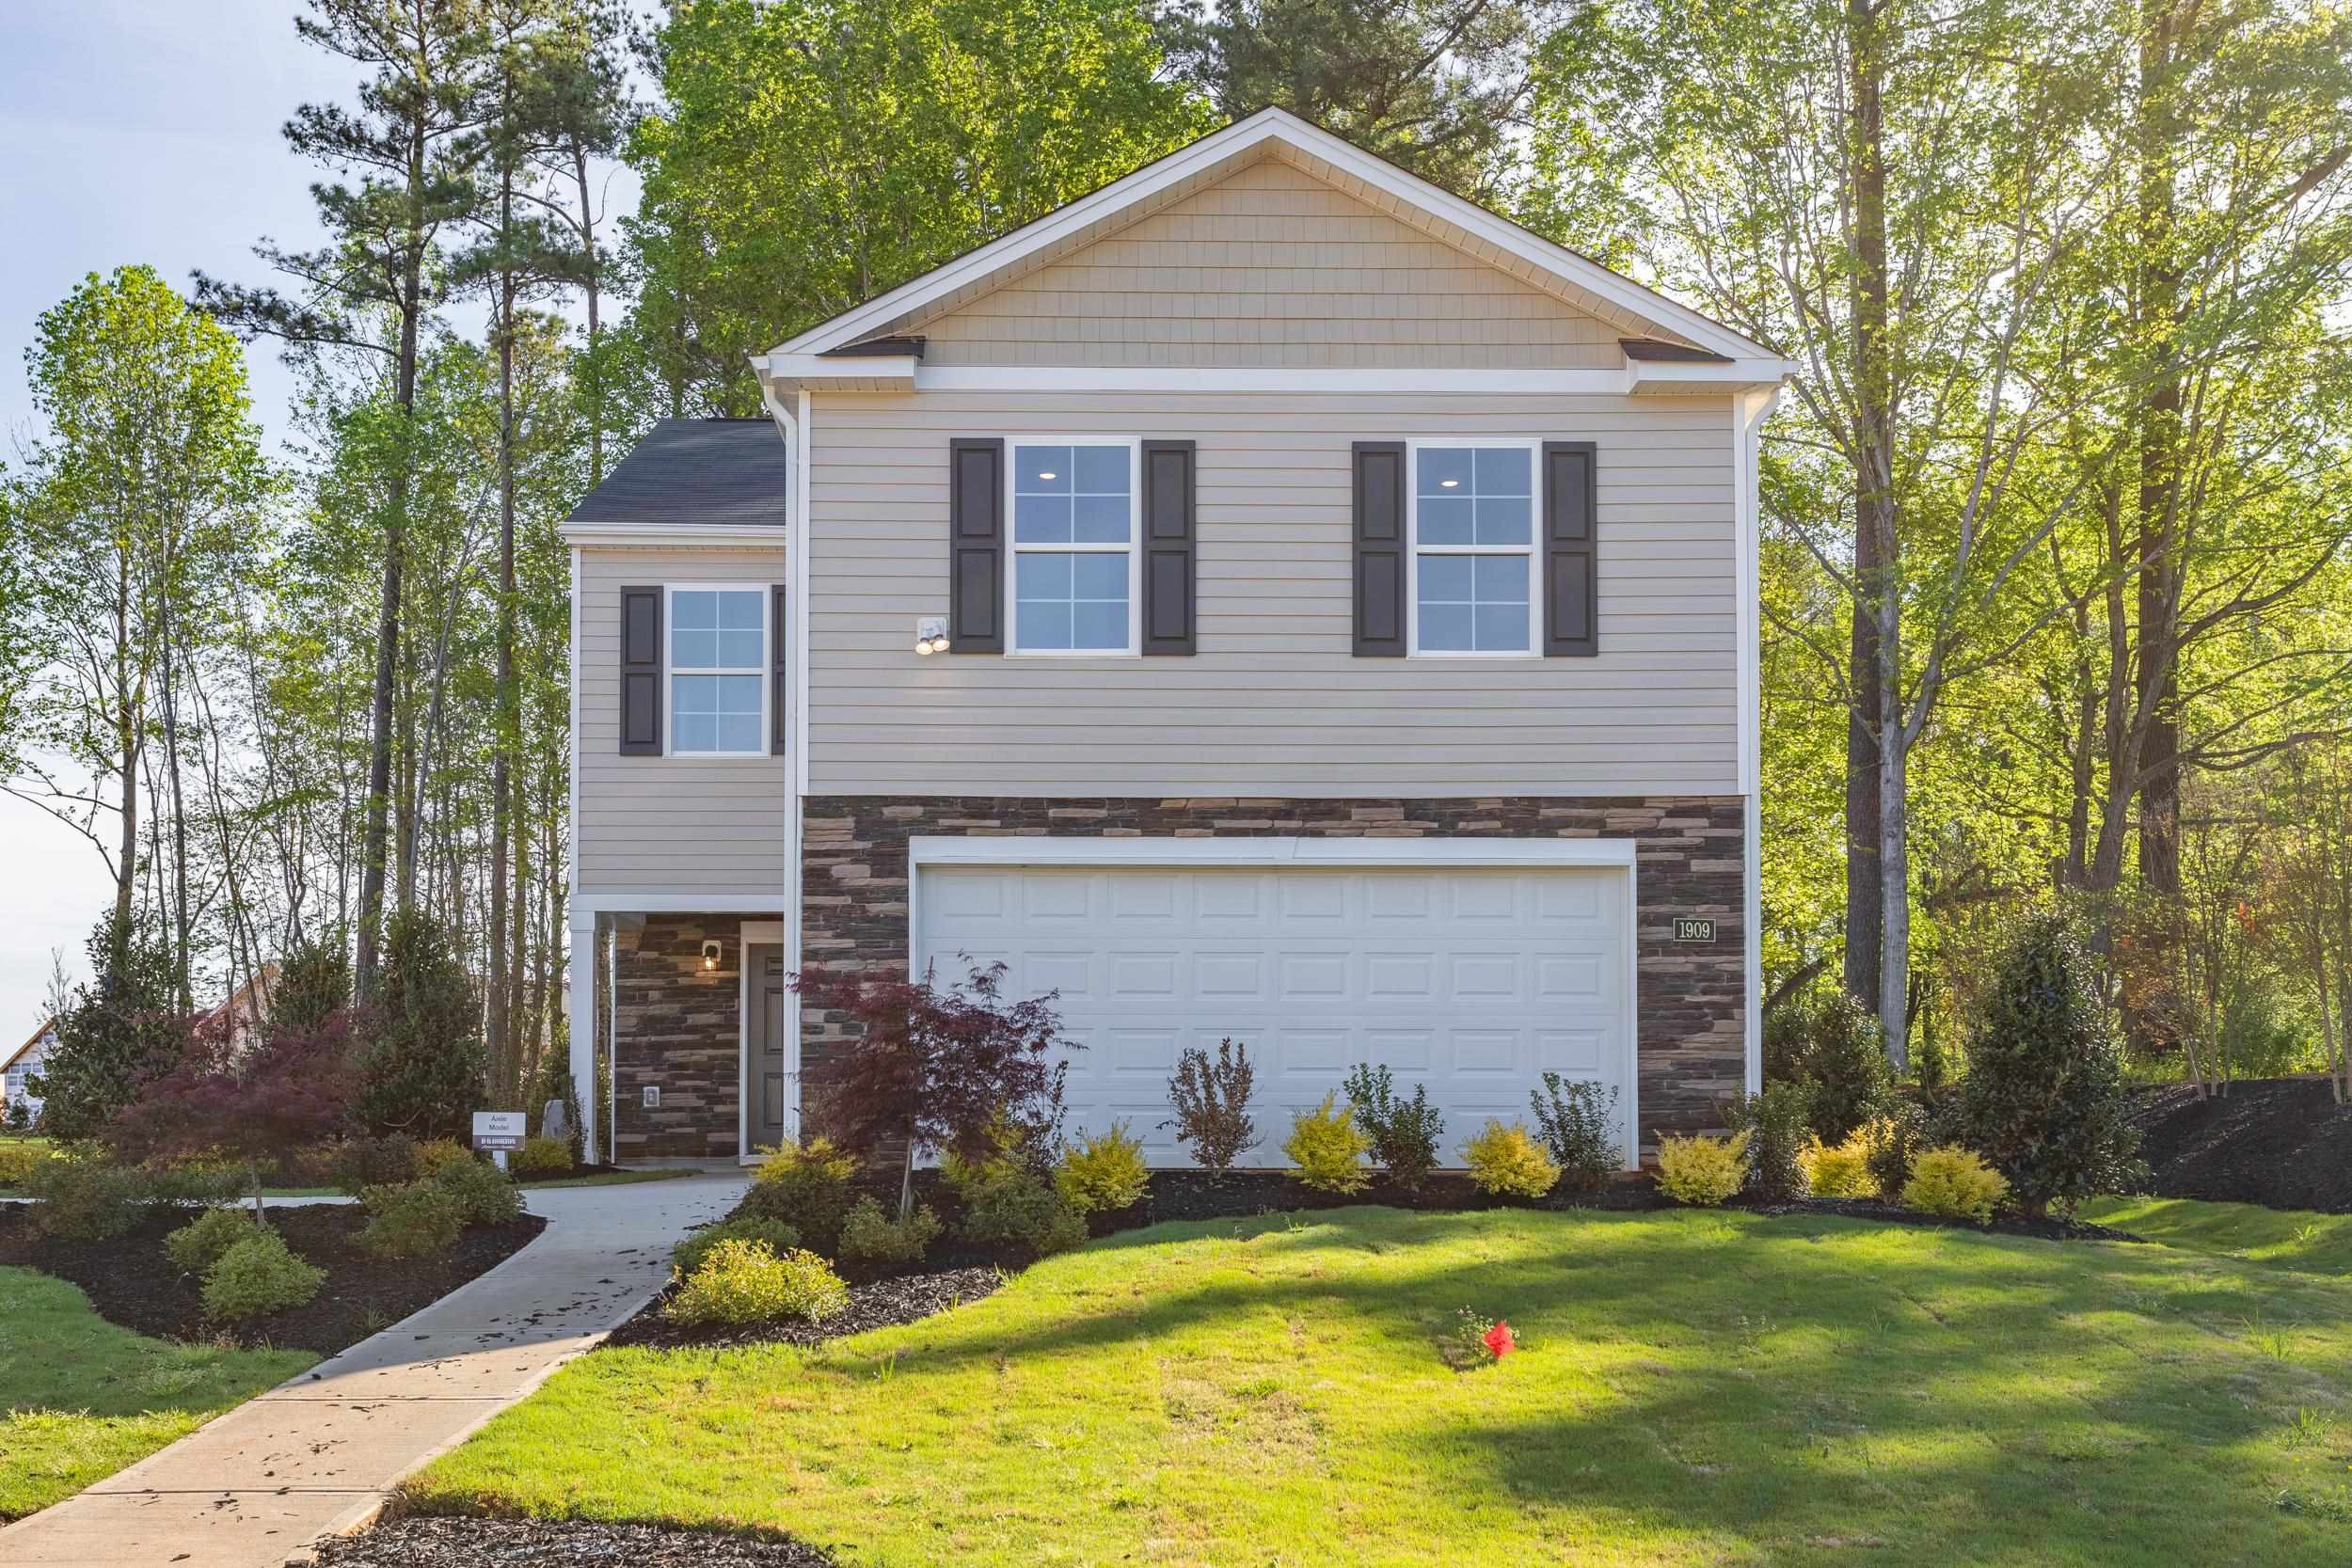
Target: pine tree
{"points": [[420, 1063], [120, 1031]]}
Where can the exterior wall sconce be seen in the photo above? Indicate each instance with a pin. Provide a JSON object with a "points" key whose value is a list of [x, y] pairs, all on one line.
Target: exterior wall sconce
{"points": [[711, 957], [931, 635]]}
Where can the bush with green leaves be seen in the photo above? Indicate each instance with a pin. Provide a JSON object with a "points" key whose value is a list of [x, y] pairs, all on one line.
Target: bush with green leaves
{"points": [[1576, 1121], [1010, 1206], [750, 1282], [259, 1274], [1102, 1174], [539, 1159], [2044, 1100], [372, 1160], [480, 1190], [1779, 1131], [1954, 1183], [421, 1055], [17, 1161], [414, 1219], [82, 1199], [314, 984], [1891, 1141], [1327, 1148], [1833, 1043], [1402, 1132], [1701, 1170], [778, 1237], [871, 1238], [1505, 1162], [806, 1185], [1838, 1170], [197, 1245], [121, 1028]]}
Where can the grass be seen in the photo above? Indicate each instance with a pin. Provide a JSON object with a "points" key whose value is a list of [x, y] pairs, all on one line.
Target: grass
{"points": [[80, 1399], [603, 1179], [2281, 1238], [1697, 1389]]}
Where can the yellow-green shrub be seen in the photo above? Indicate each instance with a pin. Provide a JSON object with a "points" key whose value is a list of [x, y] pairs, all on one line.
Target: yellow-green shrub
{"points": [[1505, 1161], [17, 1161], [747, 1282], [483, 1194], [1327, 1148], [688, 1255], [806, 1185], [413, 1219], [1839, 1170], [871, 1236], [1701, 1170], [539, 1158], [431, 1156], [1953, 1183], [1104, 1173], [197, 1245], [259, 1274]]}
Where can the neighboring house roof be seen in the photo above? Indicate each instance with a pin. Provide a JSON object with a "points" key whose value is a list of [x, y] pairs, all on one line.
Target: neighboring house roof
{"points": [[249, 1001], [1578, 281], [48, 1027], [701, 473]]}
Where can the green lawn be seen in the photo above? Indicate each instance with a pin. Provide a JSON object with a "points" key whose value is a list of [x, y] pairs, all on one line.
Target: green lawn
{"points": [[80, 1399], [2284, 1237], [1697, 1388], [603, 1179]]}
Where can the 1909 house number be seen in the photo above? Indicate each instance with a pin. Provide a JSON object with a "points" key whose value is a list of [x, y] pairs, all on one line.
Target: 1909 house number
{"points": [[1690, 927]]}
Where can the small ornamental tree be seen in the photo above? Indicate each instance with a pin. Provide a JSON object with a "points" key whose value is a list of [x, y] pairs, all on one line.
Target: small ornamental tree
{"points": [[421, 1056], [121, 1029], [940, 1069], [313, 985], [2044, 1098]]}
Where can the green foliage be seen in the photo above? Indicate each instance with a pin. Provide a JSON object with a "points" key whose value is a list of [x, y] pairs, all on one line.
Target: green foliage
{"points": [[778, 1237], [871, 1237], [1010, 1206], [1505, 1162], [1776, 1127], [1832, 1043], [421, 1058], [197, 1245], [749, 1282], [480, 1190], [1704, 1171], [2044, 1100], [539, 1158], [314, 984], [122, 1027], [415, 1219], [1953, 1183], [84, 1199], [1403, 1133], [1327, 1148], [1892, 1141], [1103, 1173], [1838, 1170], [17, 1161], [368, 1159], [259, 1274], [1577, 1125], [806, 1185], [1212, 1101]]}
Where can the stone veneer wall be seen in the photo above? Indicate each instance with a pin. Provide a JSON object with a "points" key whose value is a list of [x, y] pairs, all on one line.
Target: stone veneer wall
{"points": [[676, 1025], [1692, 1052]]}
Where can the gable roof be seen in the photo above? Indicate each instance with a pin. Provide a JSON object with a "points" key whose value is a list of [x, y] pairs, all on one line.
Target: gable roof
{"points": [[726, 472], [1577, 280], [47, 1027]]}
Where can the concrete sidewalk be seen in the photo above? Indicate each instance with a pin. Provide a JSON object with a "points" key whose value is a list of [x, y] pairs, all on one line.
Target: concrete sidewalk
{"points": [[319, 1454]]}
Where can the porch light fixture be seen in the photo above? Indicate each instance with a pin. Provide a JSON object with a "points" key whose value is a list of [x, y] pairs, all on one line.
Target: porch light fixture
{"points": [[931, 635], [710, 956]]}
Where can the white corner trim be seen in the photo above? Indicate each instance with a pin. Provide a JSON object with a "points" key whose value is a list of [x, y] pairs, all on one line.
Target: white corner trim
{"points": [[952, 849], [1748, 414]]}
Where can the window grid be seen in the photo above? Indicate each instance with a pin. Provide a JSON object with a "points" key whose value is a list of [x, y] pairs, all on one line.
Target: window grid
{"points": [[1072, 588], [715, 651], [1473, 548]]}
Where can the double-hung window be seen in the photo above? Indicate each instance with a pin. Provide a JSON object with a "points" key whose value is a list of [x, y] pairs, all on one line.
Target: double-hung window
{"points": [[1474, 531], [718, 672], [1074, 558]]}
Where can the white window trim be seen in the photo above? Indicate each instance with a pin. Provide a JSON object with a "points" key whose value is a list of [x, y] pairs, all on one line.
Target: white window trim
{"points": [[1134, 547], [764, 669], [1530, 551]]}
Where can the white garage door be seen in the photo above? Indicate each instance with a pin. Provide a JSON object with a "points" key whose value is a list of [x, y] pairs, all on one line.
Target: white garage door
{"points": [[1471, 981]]}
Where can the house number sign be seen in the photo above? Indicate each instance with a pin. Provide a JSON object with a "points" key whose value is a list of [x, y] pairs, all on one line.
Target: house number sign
{"points": [[1690, 927]]}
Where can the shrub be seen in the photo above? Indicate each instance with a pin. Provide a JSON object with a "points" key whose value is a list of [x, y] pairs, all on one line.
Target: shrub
{"points": [[2044, 1100], [1701, 1170], [421, 1057], [1952, 1181], [778, 1237], [1891, 1142], [1578, 1128], [540, 1157], [750, 1282], [1832, 1044], [1011, 1207], [480, 1190], [371, 1160], [1327, 1148], [119, 1030], [871, 1236], [260, 1274], [806, 1185], [415, 1219], [1104, 1173], [1838, 1170], [313, 985], [1777, 1128], [1211, 1101], [195, 1183], [198, 1245], [84, 1201], [17, 1162], [1506, 1163], [1404, 1133], [434, 1153]]}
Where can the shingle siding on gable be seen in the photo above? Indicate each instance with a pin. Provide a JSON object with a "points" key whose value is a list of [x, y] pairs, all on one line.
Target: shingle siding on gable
{"points": [[1270, 268]]}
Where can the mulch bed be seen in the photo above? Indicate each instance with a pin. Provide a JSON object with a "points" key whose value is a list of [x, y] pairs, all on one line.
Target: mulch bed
{"points": [[877, 1303], [132, 1282], [2281, 1141], [557, 1544]]}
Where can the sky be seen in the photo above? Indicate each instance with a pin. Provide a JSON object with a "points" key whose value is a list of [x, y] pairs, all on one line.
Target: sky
{"points": [[133, 130]]}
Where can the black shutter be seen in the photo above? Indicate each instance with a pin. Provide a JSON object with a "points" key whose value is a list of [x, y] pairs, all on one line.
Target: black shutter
{"points": [[777, 597], [641, 672], [976, 545], [1571, 579], [1380, 565], [1169, 592]]}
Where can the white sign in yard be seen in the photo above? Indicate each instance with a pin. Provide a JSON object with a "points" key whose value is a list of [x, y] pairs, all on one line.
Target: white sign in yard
{"points": [[498, 1130]]}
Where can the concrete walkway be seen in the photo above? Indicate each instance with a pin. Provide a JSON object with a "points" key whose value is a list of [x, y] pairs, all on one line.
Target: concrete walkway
{"points": [[319, 1454]]}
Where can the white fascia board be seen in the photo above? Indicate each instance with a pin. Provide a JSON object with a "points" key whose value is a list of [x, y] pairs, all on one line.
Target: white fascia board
{"points": [[1271, 852], [1662, 375], [880, 370], [676, 903], [716, 534], [1233, 140], [1372, 379]]}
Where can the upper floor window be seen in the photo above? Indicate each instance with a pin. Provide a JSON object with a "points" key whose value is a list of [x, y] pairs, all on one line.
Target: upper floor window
{"points": [[1474, 531], [718, 672], [1074, 526]]}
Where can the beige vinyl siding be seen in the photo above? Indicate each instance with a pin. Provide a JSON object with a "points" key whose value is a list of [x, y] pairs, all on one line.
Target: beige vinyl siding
{"points": [[1274, 703], [686, 825], [1270, 268]]}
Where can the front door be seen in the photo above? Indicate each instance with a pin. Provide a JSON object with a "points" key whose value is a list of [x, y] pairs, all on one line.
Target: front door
{"points": [[765, 1045]]}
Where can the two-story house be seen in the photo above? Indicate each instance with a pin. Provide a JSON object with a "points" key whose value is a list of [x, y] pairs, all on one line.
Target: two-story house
{"points": [[1270, 597]]}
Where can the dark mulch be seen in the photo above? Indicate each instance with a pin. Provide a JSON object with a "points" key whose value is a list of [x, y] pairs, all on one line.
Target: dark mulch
{"points": [[2005, 1222], [557, 1544], [132, 1282], [2283, 1142], [877, 1303], [1192, 1195]]}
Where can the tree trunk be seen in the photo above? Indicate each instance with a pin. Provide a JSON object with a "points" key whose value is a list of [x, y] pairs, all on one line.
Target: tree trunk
{"points": [[2158, 560], [503, 1054]]}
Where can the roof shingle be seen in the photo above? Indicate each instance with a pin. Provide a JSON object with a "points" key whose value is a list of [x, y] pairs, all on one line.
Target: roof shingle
{"points": [[722, 472]]}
